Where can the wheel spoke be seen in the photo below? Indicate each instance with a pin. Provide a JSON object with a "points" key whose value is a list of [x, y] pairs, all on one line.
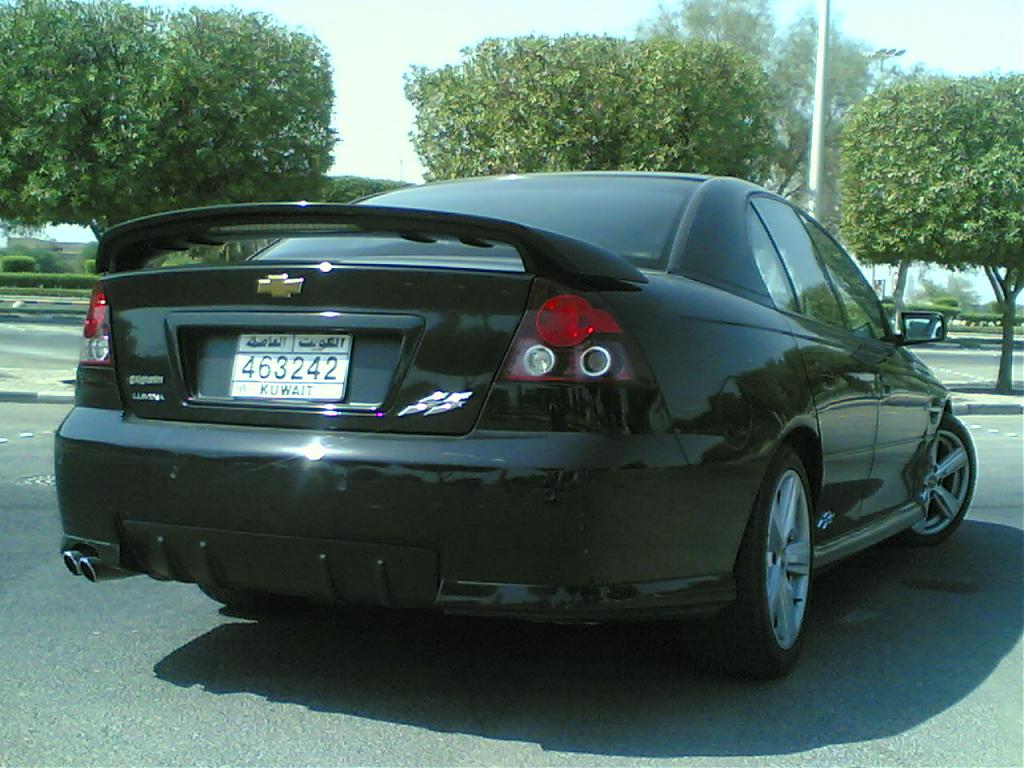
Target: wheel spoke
{"points": [[947, 503], [787, 505], [798, 558], [784, 613], [954, 461], [775, 579], [776, 535]]}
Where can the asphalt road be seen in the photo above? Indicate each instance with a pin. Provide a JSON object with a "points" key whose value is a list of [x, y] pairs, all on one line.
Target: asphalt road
{"points": [[968, 366], [913, 657], [40, 346], [49, 345]]}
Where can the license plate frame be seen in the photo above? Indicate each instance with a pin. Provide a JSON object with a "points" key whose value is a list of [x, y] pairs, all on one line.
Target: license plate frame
{"points": [[274, 367]]}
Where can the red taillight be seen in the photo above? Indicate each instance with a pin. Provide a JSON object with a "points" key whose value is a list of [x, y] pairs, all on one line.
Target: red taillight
{"points": [[567, 320], [96, 331], [564, 337]]}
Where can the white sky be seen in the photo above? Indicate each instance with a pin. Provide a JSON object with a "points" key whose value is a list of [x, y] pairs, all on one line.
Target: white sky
{"points": [[374, 42]]}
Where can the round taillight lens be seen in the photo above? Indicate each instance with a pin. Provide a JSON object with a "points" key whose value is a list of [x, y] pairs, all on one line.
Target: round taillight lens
{"points": [[538, 360], [565, 320], [596, 361]]}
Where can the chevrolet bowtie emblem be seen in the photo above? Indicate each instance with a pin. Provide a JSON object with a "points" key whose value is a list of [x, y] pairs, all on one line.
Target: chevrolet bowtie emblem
{"points": [[279, 286]]}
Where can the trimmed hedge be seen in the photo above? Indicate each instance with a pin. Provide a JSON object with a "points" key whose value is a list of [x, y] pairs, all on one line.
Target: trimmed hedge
{"points": [[82, 293], [45, 280], [988, 318], [345, 189], [20, 264], [950, 313]]}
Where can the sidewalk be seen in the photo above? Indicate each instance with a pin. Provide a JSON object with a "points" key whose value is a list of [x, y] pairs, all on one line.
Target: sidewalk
{"points": [[968, 340], [58, 308], [18, 385], [980, 400]]}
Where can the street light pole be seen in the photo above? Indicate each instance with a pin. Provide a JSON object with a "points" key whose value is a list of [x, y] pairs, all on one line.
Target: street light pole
{"points": [[881, 55], [818, 120]]}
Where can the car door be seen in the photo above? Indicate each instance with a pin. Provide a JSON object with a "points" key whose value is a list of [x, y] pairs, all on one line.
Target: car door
{"points": [[843, 374], [903, 415]]}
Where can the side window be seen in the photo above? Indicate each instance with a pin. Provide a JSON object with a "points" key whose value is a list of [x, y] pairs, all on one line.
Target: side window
{"points": [[767, 260], [863, 312], [815, 298]]}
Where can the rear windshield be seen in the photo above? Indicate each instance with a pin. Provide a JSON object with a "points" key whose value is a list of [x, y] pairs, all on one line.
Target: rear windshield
{"points": [[634, 216]]}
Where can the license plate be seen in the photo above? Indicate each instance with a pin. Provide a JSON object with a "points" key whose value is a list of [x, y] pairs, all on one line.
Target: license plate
{"points": [[291, 366]]}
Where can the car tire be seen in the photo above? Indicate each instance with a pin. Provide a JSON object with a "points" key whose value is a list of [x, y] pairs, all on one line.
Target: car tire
{"points": [[760, 634], [949, 485]]}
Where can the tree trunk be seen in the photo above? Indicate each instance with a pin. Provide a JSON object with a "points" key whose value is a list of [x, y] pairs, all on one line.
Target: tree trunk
{"points": [[901, 287], [1006, 288], [1004, 381]]}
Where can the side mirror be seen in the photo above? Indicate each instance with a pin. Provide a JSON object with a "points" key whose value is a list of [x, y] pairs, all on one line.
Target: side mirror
{"points": [[922, 327]]}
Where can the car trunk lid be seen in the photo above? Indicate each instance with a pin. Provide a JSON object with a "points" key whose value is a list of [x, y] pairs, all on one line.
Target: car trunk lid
{"points": [[409, 351]]}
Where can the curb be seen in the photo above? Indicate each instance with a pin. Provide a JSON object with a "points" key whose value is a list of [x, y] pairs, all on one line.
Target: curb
{"points": [[61, 311], [52, 398], [988, 409]]}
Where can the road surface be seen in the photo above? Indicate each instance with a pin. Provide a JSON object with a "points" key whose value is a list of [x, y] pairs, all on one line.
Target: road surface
{"points": [[913, 657]]}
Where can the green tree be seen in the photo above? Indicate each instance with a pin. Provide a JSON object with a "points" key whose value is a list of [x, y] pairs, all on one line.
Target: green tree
{"points": [[582, 102], [110, 111], [933, 170], [788, 59]]}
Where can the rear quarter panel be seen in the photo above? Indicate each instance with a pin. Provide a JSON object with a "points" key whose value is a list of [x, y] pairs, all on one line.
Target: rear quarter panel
{"points": [[734, 385]]}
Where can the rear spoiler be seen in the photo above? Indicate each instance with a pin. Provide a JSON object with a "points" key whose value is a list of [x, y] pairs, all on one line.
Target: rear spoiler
{"points": [[130, 245]]}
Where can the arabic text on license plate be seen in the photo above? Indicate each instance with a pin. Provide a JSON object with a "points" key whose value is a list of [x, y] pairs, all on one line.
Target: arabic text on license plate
{"points": [[291, 366]]}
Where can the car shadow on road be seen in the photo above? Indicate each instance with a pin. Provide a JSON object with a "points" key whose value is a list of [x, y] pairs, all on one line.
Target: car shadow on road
{"points": [[896, 637]]}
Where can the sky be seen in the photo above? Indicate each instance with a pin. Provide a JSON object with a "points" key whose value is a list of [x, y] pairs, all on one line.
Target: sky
{"points": [[373, 43]]}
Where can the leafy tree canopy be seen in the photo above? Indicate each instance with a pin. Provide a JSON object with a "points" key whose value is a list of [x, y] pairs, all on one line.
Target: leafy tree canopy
{"points": [[110, 111], [933, 170], [582, 102]]}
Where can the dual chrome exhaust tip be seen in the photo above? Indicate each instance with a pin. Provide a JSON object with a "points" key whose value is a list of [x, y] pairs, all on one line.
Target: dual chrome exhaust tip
{"points": [[90, 566]]}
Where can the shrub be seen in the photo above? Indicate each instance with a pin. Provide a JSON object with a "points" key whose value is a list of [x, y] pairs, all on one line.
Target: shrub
{"points": [[50, 262], [17, 264], [950, 313], [81, 293], [994, 319], [89, 266], [345, 189], [46, 280]]}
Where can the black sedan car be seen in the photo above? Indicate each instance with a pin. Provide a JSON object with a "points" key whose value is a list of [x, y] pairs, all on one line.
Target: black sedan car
{"points": [[569, 397]]}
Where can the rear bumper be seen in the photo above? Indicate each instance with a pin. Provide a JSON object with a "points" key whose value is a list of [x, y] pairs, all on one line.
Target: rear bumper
{"points": [[568, 527]]}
